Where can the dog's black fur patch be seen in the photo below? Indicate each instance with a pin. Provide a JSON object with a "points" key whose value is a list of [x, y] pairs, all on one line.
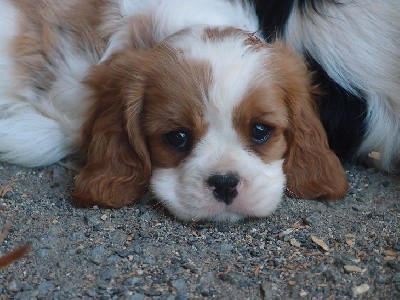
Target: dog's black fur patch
{"points": [[342, 113]]}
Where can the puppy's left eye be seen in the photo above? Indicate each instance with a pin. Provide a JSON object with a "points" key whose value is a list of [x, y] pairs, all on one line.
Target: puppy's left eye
{"points": [[179, 140], [261, 133]]}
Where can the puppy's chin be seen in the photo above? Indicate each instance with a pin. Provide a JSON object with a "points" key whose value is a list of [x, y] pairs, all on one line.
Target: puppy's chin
{"points": [[184, 191]]}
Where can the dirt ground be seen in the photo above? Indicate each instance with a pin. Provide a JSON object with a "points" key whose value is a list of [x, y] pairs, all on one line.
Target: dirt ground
{"points": [[306, 249]]}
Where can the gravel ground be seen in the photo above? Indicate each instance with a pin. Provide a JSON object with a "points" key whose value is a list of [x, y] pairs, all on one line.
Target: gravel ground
{"points": [[307, 249]]}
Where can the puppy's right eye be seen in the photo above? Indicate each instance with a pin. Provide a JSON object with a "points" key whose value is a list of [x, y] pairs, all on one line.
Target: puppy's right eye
{"points": [[179, 140]]}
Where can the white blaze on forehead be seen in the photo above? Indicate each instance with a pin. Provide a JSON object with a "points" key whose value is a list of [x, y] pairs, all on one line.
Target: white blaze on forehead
{"points": [[235, 68]]}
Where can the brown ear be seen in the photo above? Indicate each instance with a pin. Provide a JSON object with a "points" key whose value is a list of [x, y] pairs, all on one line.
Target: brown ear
{"points": [[313, 171], [117, 167]]}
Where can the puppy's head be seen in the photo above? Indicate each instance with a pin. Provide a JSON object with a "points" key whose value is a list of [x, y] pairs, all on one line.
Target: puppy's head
{"points": [[214, 121]]}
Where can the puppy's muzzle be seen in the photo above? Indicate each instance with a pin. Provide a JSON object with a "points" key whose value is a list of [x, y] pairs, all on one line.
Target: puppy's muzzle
{"points": [[224, 187]]}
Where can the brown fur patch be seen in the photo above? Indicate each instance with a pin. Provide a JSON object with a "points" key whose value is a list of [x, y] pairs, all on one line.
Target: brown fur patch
{"points": [[312, 169], [49, 27], [117, 167], [263, 105], [174, 99], [142, 32], [216, 34]]}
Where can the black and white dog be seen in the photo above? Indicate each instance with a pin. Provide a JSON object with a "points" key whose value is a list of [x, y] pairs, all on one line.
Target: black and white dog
{"points": [[353, 46]]}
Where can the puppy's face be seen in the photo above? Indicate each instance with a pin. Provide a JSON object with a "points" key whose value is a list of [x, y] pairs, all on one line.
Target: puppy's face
{"points": [[214, 120], [215, 115]]}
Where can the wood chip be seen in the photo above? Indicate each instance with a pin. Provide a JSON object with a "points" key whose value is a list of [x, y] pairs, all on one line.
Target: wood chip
{"points": [[350, 243], [292, 282], [295, 243], [353, 269], [320, 243], [391, 252], [389, 258], [375, 155], [361, 289]]}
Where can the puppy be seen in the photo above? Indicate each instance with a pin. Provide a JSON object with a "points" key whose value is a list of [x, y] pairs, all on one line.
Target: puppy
{"points": [[179, 96], [353, 47]]}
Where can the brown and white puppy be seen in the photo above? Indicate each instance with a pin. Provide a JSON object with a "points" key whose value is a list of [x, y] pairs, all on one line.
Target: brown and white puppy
{"points": [[179, 96]]}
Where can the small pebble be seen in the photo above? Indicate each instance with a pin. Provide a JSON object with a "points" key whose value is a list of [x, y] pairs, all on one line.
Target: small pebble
{"points": [[381, 279], [361, 289], [45, 287], [396, 278], [108, 274], [13, 286]]}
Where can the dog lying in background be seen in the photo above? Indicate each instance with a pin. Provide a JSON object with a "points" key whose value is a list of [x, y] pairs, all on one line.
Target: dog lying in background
{"points": [[180, 96], [353, 48]]}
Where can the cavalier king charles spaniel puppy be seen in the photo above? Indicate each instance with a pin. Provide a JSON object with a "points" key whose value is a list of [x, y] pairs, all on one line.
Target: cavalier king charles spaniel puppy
{"points": [[177, 96], [353, 48]]}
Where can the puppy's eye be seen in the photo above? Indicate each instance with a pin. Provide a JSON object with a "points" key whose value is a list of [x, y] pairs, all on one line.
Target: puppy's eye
{"points": [[179, 140], [261, 133]]}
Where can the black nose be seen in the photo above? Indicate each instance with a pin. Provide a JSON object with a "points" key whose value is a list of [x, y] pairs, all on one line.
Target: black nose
{"points": [[224, 187]]}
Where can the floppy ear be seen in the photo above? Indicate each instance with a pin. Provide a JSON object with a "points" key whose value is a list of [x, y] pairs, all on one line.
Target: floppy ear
{"points": [[313, 171], [117, 165]]}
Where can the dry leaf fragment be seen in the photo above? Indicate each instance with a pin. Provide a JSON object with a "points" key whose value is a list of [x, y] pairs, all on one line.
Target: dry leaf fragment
{"points": [[69, 166], [389, 258], [320, 243], [295, 243], [350, 236], [354, 269], [5, 189], [13, 255], [391, 252], [286, 232], [257, 270], [361, 289], [350, 243]]}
